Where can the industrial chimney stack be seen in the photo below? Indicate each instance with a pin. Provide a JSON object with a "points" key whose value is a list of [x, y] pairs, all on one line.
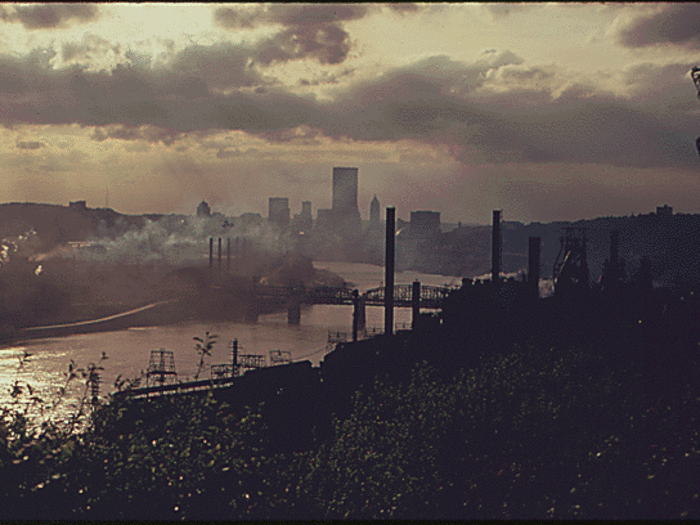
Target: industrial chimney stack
{"points": [[389, 272]]}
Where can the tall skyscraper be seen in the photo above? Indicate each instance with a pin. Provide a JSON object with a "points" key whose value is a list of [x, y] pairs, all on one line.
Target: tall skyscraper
{"points": [[374, 211], [345, 191]]}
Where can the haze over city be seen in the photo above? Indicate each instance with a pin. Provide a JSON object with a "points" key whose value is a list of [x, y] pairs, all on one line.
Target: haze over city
{"points": [[547, 111]]}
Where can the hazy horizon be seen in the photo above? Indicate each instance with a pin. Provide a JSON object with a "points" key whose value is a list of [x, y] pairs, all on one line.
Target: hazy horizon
{"points": [[549, 112]]}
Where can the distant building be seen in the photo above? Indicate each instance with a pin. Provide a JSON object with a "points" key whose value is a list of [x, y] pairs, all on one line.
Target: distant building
{"points": [[78, 205], [303, 222], [374, 211], [324, 219], [425, 222], [346, 214], [278, 211], [345, 190], [203, 210], [664, 210]]}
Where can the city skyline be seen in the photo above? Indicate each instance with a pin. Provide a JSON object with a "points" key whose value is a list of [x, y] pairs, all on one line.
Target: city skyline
{"points": [[546, 111]]}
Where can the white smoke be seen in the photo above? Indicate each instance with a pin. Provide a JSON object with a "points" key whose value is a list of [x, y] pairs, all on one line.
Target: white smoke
{"points": [[23, 244], [174, 240]]}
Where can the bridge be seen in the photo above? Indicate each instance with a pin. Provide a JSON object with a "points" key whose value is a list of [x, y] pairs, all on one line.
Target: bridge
{"points": [[415, 296]]}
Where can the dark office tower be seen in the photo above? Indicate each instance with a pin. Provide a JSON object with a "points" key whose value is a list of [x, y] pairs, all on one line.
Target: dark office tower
{"points": [[374, 212], [496, 246], [279, 211], [345, 191], [345, 214]]}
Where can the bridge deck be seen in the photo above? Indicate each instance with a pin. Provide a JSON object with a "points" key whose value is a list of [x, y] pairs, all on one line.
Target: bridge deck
{"points": [[430, 296]]}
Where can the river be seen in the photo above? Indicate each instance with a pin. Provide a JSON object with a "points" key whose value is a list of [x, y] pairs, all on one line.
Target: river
{"points": [[128, 350]]}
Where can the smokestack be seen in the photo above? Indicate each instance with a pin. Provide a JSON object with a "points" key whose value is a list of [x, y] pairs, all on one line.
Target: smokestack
{"points": [[228, 253], [496, 246], [389, 272], [219, 253], [533, 272], [211, 251]]}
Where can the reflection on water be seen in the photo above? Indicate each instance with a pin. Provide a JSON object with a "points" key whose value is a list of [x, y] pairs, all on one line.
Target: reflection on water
{"points": [[128, 350]]}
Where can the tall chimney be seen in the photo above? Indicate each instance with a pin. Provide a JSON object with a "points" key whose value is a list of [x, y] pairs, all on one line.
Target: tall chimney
{"points": [[496, 246], [211, 251], [228, 253], [219, 252], [533, 272], [389, 272]]}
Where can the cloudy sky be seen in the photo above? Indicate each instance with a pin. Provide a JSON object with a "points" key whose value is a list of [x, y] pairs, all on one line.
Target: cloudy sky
{"points": [[547, 111]]}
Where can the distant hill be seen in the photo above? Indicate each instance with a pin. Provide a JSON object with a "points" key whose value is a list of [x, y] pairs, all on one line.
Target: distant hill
{"points": [[670, 242], [55, 224]]}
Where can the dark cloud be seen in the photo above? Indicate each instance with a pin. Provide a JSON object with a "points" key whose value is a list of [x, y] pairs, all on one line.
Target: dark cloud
{"points": [[147, 133], [288, 14], [30, 145], [222, 65], [494, 110], [502, 10], [664, 24], [307, 30], [327, 43], [404, 8], [49, 16]]}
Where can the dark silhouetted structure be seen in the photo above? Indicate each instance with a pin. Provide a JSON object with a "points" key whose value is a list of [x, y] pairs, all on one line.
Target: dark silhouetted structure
{"points": [[571, 266], [374, 212], [278, 211], [389, 272], [203, 210]]}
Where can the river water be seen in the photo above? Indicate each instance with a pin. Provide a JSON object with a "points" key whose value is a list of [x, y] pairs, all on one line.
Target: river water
{"points": [[128, 350]]}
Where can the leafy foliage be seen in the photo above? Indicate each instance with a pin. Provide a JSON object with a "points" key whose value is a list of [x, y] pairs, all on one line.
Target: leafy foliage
{"points": [[533, 434], [203, 348]]}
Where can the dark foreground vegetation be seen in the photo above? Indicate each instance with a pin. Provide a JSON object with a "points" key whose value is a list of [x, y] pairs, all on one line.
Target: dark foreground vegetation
{"points": [[586, 407]]}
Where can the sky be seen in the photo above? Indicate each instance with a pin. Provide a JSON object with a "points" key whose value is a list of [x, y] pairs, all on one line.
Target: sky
{"points": [[545, 111]]}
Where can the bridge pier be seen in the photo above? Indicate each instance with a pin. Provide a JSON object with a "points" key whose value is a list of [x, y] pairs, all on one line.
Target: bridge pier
{"points": [[358, 314], [415, 304]]}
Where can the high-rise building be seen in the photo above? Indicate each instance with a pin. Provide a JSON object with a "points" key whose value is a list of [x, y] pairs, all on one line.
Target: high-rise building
{"points": [[278, 211], [346, 214], [374, 212], [303, 222], [345, 191]]}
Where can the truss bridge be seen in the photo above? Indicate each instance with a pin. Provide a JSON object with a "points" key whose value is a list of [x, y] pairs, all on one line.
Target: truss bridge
{"points": [[415, 296]]}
